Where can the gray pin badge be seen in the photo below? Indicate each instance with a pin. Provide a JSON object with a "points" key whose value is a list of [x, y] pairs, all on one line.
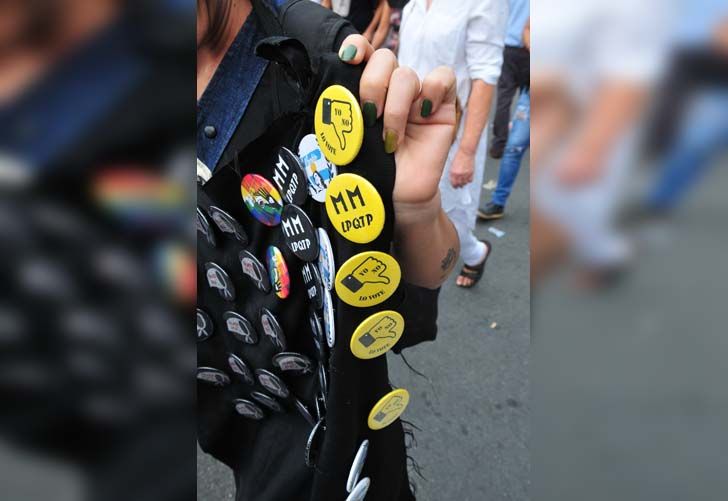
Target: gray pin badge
{"points": [[303, 410], [212, 376], [204, 325], [248, 409], [272, 329], [240, 327], [313, 444], [227, 224], [329, 322], [357, 466], [203, 227], [254, 270], [360, 490], [270, 402], [292, 363], [241, 369], [217, 278], [272, 383]]}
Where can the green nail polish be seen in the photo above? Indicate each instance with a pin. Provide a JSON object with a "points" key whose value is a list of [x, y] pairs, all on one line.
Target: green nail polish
{"points": [[370, 113], [426, 108], [390, 141], [347, 53]]}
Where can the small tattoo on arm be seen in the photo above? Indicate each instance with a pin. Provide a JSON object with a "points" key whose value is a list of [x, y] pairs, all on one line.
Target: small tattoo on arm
{"points": [[448, 260]]}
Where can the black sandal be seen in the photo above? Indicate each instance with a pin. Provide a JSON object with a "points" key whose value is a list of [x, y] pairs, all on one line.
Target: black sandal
{"points": [[475, 273]]}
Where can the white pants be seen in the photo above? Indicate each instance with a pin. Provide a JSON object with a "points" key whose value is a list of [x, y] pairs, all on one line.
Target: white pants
{"points": [[472, 250]]}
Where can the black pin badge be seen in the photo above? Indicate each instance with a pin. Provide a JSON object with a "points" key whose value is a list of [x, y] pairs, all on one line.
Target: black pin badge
{"points": [[241, 369], [270, 402], [217, 278], [303, 410], [312, 283], [248, 409], [290, 177], [227, 224], [272, 329], [293, 363], [212, 376], [323, 381], [300, 235], [240, 327], [272, 383], [204, 228], [318, 334], [204, 325], [254, 270]]}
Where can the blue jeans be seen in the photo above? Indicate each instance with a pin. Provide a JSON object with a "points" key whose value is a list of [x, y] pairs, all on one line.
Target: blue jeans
{"points": [[704, 135], [519, 139]]}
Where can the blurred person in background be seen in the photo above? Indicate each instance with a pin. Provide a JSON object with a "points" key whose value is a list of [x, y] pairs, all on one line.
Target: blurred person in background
{"points": [[467, 36], [371, 18], [594, 63], [514, 74], [94, 358], [516, 147], [690, 124]]}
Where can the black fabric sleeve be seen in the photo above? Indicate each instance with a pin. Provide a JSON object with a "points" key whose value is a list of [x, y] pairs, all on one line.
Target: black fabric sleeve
{"points": [[419, 308]]}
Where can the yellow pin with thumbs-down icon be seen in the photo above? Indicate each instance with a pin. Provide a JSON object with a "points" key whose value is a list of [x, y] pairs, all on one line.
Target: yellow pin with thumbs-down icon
{"points": [[367, 279], [377, 334], [339, 125]]}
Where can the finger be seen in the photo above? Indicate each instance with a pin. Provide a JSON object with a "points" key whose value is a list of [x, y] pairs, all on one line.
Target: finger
{"points": [[374, 83], [439, 87], [373, 25], [355, 49], [404, 87]]}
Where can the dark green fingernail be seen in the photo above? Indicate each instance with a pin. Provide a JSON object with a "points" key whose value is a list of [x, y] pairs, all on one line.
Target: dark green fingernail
{"points": [[390, 141], [370, 113], [347, 53], [426, 108]]}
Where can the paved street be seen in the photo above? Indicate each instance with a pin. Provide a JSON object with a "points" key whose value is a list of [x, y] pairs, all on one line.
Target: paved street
{"points": [[475, 415]]}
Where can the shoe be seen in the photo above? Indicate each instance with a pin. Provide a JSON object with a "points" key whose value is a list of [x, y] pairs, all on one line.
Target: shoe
{"points": [[496, 151], [491, 211]]}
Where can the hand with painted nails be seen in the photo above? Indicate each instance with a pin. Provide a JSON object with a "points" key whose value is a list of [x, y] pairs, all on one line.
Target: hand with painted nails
{"points": [[419, 127], [419, 116]]}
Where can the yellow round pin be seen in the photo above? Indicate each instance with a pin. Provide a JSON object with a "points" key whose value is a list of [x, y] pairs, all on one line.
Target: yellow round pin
{"points": [[339, 125], [388, 409], [355, 208], [367, 279], [377, 334]]}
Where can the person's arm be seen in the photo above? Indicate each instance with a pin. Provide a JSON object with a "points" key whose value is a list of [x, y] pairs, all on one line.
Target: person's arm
{"points": [[527, 34], [476, 117], [484, 57], [419, 122]]}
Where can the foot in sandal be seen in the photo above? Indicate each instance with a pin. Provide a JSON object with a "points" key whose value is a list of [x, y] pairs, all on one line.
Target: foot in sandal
{"points": [[471, 275]]}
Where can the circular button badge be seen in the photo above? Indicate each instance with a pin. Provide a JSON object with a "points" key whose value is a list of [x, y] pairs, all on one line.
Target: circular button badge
{"points": [[339, 125], [289, 177], [218, 279], [204, 325], [300, 235], [280, 280], [228, 224], [254, 270], [313, 285], [319, 171], [377, 334], [355, 208], [240, 327], [248, 409], [326, 263], [388, 409], [367, 279], [262, 199], [329, 319]]}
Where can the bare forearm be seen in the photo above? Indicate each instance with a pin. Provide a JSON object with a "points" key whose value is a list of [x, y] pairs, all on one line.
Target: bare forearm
{"points": [[426, 246], [476, 116]]}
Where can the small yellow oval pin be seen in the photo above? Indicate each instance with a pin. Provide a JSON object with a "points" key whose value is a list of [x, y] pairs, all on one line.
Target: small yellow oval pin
{"points": [[367, 279], [388, 409], [377, 334], [355, 208], [339, 125]]}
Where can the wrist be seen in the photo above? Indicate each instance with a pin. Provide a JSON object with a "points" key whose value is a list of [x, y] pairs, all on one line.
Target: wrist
{"points": [[466, 150]]}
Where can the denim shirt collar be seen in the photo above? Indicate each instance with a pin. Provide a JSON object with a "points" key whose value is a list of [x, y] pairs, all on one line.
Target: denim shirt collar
{"points": [[228, 94]]}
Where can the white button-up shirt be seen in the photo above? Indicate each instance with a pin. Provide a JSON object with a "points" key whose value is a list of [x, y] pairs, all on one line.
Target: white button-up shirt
{"points": [[468, 36]]}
